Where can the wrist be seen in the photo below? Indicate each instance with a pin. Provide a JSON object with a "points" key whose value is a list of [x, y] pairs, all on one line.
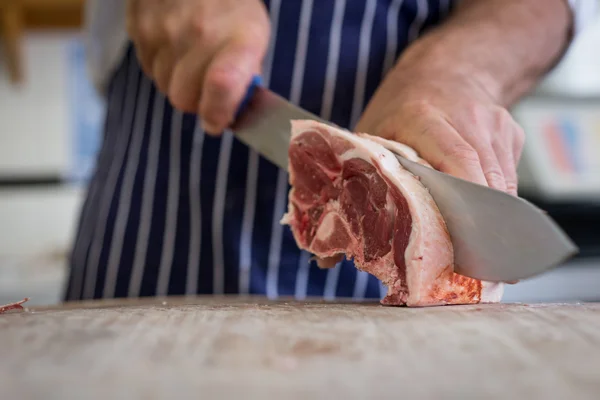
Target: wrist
{"points": [[436, 62], [502, 47]]}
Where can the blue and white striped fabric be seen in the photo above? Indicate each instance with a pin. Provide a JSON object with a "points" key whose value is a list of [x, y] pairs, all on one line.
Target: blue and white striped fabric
{"points": [[172, 211]]}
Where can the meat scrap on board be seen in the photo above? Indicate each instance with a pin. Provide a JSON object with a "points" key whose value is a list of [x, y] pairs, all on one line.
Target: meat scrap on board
{"points": [[351, 197], [13, 306]]}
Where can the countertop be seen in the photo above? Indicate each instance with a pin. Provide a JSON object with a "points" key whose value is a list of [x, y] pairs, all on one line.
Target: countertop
{"points": [[221, 347]]}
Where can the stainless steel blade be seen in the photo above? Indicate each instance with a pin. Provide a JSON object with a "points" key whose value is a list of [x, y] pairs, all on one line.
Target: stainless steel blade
{"points": [[265, 125], [496, 236]]}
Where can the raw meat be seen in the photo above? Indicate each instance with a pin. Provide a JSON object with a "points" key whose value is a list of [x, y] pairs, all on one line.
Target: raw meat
{"points": [[350, 196], [13, 306]]}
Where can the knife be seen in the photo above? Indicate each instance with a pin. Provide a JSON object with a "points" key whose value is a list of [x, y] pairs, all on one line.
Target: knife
{"points": [[496, 237]]}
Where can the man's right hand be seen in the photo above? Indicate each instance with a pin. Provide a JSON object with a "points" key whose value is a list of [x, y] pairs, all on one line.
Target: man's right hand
{"points": [[201, 54]]}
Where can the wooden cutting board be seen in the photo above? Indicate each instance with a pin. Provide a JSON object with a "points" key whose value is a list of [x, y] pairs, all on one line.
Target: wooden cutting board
{"points": [[246, 347]]}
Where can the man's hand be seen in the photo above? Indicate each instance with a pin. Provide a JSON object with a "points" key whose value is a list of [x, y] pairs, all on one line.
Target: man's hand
{"points": [[200, 53], [448, 93], [452, 124]]}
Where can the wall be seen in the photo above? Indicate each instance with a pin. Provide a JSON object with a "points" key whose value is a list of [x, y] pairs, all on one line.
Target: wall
{"points": [[34, 117], [48, 131]]}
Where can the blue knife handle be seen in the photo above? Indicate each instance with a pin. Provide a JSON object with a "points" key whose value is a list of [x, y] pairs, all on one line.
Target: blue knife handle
{"points": [[254, 83]]}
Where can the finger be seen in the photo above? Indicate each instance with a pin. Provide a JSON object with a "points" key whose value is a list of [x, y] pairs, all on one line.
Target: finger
{"points": [[504, 154], [226, 82], [518, 141], [133, 11], [152, 31], [145, 41], [443, 147], [188, 76], [131, 8], [145, 50], [162, 68], [477, 134], [492, 169], [145, 58]]}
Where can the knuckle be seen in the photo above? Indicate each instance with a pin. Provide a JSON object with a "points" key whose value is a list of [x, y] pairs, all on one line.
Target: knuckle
{"points": [[209, 38], [224, 78], [219, 82], [464, 153], [502, 114], [459, 154], [502, 119], [495, 178], [512, 184], [420, 108], [494, 174], [472, 112], [199, 25], [145, 28], [171, 29]]}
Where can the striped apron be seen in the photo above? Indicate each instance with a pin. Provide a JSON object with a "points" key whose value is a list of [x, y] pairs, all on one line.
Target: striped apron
{"points": [[172, 211]]}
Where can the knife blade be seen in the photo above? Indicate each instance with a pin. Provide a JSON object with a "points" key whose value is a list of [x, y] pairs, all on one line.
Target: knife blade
{"points": [[496, 237], [263, 122]]}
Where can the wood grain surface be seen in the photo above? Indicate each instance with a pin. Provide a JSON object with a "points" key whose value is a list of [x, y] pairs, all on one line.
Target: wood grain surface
{"points": [[223, 347]]}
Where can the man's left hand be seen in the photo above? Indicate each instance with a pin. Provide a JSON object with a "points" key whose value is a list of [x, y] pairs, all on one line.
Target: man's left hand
{"points": [[452, 123]]}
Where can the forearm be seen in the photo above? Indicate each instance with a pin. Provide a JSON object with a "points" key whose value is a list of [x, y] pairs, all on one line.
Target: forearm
{"points": [[501, 46]]}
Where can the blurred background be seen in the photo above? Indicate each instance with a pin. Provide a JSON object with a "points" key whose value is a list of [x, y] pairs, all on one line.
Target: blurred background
{"points": [[51, 118]]}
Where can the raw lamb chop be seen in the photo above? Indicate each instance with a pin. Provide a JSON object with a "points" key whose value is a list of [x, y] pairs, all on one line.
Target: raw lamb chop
{"points": [[350, 196]]}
